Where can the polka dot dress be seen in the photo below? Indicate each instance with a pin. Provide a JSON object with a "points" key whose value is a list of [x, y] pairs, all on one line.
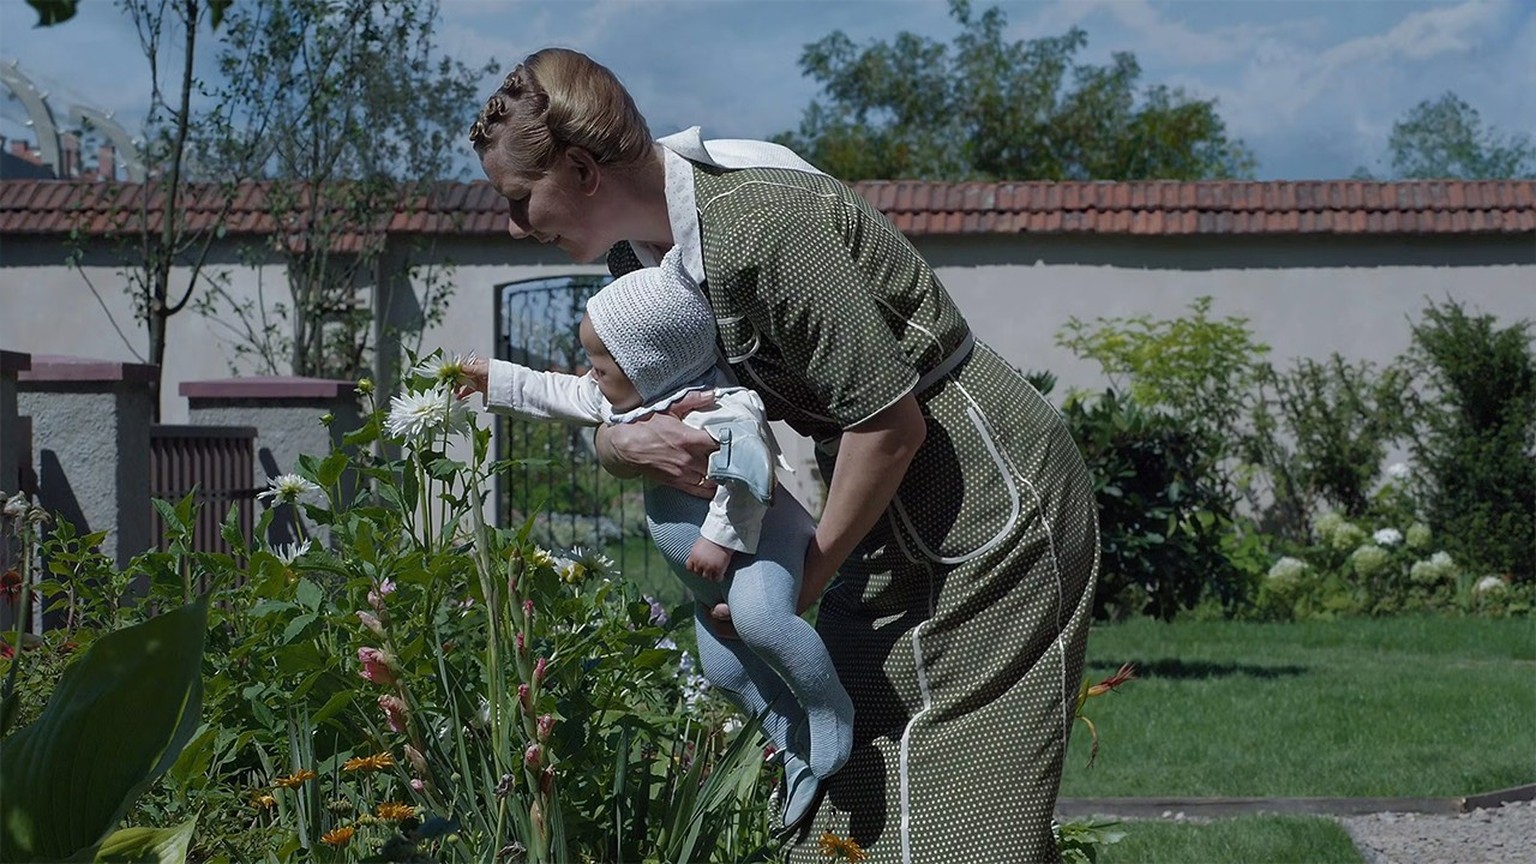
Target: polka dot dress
{"points": [[958, 625]]}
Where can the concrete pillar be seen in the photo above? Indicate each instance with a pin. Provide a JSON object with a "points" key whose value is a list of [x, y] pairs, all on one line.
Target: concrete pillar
{"points": [[90, 445], [286, 412]]}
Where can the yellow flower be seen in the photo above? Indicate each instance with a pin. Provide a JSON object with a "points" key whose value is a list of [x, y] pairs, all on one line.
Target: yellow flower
{"points": [[394, 812], [294, 780], [264, 802], [339, 836], [376, 762], [841, 848]]}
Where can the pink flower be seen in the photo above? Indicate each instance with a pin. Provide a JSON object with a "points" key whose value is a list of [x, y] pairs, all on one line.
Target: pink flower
{"points": [[528, 609], [377, 595], [522, 644], [540, 668], [394, 712], [372, 622], [531, 757], [378, 666], [546, 726], [417, 784], [418, 761], [525, 699]]}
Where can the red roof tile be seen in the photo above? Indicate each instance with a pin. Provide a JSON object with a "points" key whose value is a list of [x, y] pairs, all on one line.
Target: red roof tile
{"points": [[916, 207]]}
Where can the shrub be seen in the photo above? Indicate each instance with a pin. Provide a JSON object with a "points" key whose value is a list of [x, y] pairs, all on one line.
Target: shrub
{"points": [[1320, 431], [1162, 515], [1198, 370], [1472, 425]]}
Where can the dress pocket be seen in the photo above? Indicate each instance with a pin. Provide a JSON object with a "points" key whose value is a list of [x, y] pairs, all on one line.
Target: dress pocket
{"points": [[960, 497]]}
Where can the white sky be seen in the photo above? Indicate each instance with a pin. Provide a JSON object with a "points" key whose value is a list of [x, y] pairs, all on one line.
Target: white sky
{"points": [[1312, 87]]}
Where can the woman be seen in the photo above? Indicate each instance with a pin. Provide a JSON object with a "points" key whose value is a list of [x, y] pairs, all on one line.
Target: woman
{"points": [[959, 515]]}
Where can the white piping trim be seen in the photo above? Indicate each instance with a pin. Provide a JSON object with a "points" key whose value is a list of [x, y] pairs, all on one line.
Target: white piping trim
{"points": [[906, 734], [744, 185]]}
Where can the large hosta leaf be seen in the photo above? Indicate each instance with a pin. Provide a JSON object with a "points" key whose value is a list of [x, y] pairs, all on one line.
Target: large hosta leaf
{"points": [[147, 845], [116, 722]]}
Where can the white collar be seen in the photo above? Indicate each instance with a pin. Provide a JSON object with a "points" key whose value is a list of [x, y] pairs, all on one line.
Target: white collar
{"points": [[679, 151]]}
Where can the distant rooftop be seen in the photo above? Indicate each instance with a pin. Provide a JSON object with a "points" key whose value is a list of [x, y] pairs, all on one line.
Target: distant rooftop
{"points": [[918, 208]]}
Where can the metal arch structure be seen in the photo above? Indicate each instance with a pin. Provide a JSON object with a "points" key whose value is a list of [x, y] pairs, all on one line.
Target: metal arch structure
{"points": [[36, 103], [127, 149]]}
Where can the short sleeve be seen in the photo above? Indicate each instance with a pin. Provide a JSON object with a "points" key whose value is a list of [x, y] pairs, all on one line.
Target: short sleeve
{"points": [[796, 282]]}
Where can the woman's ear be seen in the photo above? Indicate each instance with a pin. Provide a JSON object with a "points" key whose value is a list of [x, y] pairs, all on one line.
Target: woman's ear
{"points": [[585, 169]]}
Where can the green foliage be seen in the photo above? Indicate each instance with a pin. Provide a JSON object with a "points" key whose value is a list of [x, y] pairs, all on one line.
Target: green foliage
{"points": [[1163, 445], [1472, 415], [1197, 369], [350, 112], [1080, 841], [1445, 137], [1320, 431], [117, 720], [52, 12], [985, 108], [1162, 515]]}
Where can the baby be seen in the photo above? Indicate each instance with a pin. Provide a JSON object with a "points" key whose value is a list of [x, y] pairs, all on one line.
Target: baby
{"points": [[650, 338]]}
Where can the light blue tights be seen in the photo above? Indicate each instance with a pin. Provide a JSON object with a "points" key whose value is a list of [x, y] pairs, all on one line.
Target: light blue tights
{"points": [[778, 662]]}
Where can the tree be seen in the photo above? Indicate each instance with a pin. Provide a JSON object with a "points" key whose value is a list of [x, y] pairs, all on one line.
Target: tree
{"points": [[347, 113], [157, 237], [983, 108], [1446, 138]]}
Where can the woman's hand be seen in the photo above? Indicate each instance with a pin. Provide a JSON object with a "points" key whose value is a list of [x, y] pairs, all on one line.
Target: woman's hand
{"points": [[475, 378], [662, 449]]}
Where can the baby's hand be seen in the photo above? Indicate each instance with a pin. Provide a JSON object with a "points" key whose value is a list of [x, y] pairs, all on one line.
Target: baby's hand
{"points": [[708, 559]]}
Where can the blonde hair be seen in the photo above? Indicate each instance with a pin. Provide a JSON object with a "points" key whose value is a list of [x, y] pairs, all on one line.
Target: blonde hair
{"points": [[558, 98]]}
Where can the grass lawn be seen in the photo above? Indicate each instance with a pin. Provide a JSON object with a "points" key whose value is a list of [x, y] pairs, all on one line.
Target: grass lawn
{"points": [[1395, 707], [1245, 840]]}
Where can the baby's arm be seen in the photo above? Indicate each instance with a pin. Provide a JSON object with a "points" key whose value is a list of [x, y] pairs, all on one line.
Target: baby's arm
{"points": [[523, 392]]}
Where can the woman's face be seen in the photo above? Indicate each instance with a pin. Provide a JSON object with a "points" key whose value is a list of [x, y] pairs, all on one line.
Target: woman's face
{"points": [[552, 206]]}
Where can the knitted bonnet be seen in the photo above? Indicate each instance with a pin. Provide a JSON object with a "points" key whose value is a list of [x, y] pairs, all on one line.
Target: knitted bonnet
{"points": [[658, 327]]}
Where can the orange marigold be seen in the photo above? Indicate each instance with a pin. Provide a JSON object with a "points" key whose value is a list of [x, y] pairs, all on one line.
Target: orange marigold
{"points": [[338, 836], [394, 811], [841, 848], [376, 762], [294, 780], [264, 802]]}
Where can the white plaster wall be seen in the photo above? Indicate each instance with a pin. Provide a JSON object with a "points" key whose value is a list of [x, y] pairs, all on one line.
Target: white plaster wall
{"points": [[1305, 297], [1361, 313], [47, 307]]}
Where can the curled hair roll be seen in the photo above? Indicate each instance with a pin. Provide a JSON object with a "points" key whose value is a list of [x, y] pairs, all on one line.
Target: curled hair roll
{"points": [[557, 98]]}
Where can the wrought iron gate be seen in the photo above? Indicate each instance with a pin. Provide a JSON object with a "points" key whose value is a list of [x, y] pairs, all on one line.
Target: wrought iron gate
{"points": [[559, 484]]}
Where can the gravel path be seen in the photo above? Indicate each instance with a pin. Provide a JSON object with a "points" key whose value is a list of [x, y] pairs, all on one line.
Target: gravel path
{"points": [[1501, 835]]}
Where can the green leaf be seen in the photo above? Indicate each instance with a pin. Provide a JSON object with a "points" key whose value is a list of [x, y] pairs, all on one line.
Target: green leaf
{"points": [[148, 845], [332, 706], [329, 471], [173, 522], [309, 595], [51, 12], [216, 9], [192, 764], [230, 530], [296, 626], [117, 720]]}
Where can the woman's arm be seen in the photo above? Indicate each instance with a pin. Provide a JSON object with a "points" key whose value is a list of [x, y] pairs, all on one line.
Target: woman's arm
{"points": [[872, 460]]}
